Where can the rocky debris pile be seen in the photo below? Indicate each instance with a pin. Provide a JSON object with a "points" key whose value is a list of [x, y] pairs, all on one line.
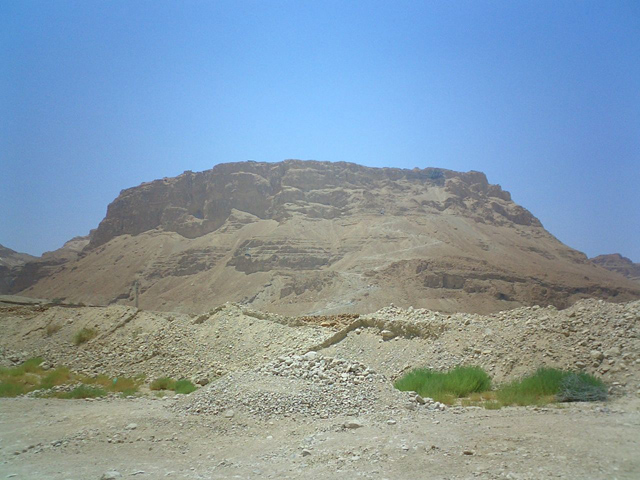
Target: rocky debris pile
{"points": [[131, 341], [318, 368], [600, 338], [412, 401], [310, 384]]}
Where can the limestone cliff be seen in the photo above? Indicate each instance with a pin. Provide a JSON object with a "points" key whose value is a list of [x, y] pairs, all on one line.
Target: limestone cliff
{"points": [[316, 237]]}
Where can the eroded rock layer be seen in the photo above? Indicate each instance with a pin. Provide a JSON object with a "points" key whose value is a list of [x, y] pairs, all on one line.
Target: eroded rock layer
{"points": [[306, 237]]}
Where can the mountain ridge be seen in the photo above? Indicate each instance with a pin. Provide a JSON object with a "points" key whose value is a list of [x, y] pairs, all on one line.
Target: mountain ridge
{"points": [[308, 237]]}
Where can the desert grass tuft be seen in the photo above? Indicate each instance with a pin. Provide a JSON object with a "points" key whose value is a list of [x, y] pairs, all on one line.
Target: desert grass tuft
{"points": [[445, 387], [83, 391], [84, 335], [52, 328], [184, 386], [548, 385], [162, 383]]}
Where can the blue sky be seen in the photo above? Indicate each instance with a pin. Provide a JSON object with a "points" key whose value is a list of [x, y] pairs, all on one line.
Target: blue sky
{"points": [[542, 96]]}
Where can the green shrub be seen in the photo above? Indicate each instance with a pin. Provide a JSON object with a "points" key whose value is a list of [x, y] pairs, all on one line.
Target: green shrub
{"points": [[12, 389], [32, 365], [184, 386], [124, 384], [581, 387], [55, 377], [84, 391], [29, 366], [162, 383], [445, 386], [84, 335], [551, 384]]}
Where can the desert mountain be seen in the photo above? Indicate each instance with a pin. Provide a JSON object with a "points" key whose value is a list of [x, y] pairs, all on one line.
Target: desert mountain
{"points": [[307, 237], [10, 258], [617, 263]]}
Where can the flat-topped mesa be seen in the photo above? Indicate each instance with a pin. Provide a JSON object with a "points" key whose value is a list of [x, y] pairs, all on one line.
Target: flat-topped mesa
{"points": [[306, 237], [194, 204]]}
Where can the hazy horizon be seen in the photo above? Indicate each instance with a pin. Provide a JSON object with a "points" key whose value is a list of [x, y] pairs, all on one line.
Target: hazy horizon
{"points": [[543, 97]]}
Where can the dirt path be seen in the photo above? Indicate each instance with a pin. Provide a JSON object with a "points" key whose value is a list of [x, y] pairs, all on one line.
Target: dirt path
{"points": [[144, 438]]}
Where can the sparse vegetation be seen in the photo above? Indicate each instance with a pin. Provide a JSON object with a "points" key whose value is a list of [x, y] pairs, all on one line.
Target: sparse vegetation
{"points": [[472, 386], [162, 383], [58, 376], [83, 391], [183, 386], [84, 335], [30, 376], [445, 387], [22, 379], [52, 328], [548, 385]]}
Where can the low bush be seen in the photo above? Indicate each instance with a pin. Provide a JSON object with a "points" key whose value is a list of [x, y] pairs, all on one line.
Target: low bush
{"points": [[29, 366], [445, 386], [12, 389], [53, 328], [83, 391], [124, 385], [84, 335], [162, 383], [547, 385], [58, 376], [184, 386], [581, 387], [166, 383]]}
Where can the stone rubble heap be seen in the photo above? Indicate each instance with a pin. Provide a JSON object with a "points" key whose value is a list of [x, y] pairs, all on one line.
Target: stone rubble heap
{"points": [[311, 384], [317, 367]]}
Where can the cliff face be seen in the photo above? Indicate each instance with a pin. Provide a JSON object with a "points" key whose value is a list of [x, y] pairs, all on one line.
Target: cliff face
{"points": [[195, 204], [314, 237]]}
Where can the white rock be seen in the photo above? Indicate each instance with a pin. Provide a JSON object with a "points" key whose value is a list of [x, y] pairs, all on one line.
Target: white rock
{"points": [[111, 475]]}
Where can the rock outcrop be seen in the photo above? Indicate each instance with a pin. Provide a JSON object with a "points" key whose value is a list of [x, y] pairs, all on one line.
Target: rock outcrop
{"points": [[619, 264], [307, 237]]}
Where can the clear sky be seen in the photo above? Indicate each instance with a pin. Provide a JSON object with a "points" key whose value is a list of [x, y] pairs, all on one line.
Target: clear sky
{"points": [[542, 96]]}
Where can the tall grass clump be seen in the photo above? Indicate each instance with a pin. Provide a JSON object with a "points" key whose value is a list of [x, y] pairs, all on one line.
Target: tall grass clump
{"points": [[83, 391], [162, 383], [184, 386], [124, 385], [84, 335], [58, 376], [22, 379], [547, 385], [445, 386]]}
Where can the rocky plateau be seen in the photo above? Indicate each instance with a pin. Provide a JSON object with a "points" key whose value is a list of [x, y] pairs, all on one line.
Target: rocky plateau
{"points": [[306, 237]]}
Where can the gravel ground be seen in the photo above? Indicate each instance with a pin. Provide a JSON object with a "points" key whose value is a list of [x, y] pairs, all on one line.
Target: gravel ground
{"points": [[145, 438], [291, 398]]}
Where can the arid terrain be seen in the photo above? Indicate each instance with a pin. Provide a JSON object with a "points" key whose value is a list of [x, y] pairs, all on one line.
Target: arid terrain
{"points": [[305, 237], [312, 397], [293, 295]]}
